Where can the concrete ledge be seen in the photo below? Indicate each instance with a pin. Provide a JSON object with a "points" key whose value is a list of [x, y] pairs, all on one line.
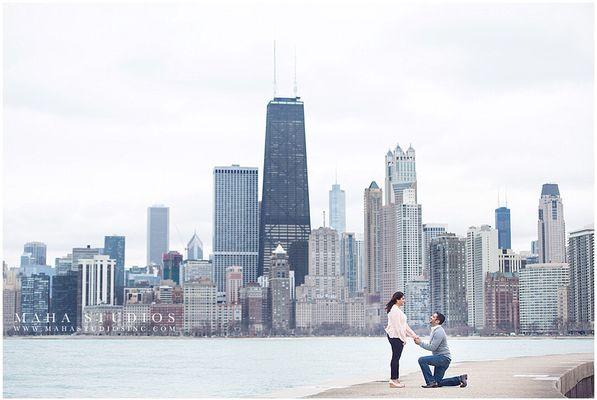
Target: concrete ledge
{"points": [[520, 377], [569, 381]]}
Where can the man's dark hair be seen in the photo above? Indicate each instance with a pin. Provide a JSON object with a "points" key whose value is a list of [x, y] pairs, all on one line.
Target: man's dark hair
{"points": [[440, 317]]}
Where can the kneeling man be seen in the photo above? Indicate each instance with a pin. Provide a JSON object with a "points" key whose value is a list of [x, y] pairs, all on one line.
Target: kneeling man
{"points": [[441, 358]]}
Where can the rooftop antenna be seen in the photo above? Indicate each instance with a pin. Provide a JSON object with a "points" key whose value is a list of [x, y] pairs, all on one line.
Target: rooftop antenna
{"points": [[295, 85], [336, 180], [324, 218], [506, 190], [498, 198], [275, 84]]}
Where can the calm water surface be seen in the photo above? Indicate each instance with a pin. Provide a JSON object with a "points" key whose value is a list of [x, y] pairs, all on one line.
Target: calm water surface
{"points": [[227, 367]]}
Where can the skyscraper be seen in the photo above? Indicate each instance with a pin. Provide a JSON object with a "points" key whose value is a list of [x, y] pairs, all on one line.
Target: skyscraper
{"points": [[35, 301], [349, 261], [64, 302], [447, 274], [234, 281], [401, 181], [581, 256], [400, 172], [539, 289], [158, 233], [551, 226], [285, 217], [372, 249], [97, 282], [236, 223], [338, 209], [195, 248], [279, 291], [114, 247], [171, 266], [37, 251], [430, 231], [502, 224], [481, 258]]}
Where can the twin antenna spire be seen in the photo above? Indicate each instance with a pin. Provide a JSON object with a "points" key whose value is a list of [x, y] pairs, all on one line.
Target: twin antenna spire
{"points": [[295, 87]]}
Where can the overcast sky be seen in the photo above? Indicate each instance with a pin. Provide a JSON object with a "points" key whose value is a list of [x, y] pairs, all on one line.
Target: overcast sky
{"points": [[109, 109]]}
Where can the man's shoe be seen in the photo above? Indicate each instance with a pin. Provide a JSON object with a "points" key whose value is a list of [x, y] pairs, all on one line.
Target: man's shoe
{"points": [[463, 379], [430, 385]]}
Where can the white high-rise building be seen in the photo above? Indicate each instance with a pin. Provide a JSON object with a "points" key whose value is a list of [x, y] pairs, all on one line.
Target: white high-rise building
{"points": [[481, 258], [407, 247], [158, 233], [236, 222], [539, 289], [551, 228], [430, 231], [97, 285], [338, 209], [195, 248], [194, 270], [510, 261], [400, 172], [200, 307]]}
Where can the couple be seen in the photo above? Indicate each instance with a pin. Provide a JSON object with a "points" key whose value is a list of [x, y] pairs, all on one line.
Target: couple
{"points": [[397, 332]]}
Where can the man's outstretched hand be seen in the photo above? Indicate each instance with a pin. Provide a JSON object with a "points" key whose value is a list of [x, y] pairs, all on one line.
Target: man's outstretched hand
{"points": [[417, 340]]}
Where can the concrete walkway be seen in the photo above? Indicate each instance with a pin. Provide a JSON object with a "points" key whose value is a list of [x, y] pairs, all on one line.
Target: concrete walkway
{"points": [[513, 377]]}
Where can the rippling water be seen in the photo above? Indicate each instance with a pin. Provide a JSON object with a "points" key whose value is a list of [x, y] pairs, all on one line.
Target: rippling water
{"points": [[159, 367]]}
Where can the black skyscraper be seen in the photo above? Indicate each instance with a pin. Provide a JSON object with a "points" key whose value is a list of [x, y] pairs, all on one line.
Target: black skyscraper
{"points": [[114, 247], [64, 302], [284, 216]]}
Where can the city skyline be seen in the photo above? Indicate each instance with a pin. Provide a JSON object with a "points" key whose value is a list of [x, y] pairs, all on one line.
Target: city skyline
{"points": [[449, 151]]}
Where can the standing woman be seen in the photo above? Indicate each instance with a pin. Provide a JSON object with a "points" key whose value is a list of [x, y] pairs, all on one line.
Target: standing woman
{"points": [[397, 332]]}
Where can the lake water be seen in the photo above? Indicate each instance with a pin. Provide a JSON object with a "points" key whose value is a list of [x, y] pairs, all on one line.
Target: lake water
{"points": [[159, 367]]}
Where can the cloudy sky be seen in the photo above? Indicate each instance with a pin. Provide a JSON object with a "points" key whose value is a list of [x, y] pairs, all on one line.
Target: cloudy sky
{"points": [[111, 108]]}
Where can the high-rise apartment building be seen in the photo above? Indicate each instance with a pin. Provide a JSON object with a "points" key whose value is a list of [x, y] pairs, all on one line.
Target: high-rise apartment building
{"points": [[158, 233], [401, 182], [372, 246], [430, 231], [236, 223], [539, 289], [481, 258], [551, 227], [200, 307], [501, 303], [337, 209], [285, 216], [447, 276], [581, 257]]}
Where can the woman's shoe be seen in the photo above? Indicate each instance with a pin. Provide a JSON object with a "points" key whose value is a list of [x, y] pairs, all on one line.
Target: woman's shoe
{"points": [[396, 384]]}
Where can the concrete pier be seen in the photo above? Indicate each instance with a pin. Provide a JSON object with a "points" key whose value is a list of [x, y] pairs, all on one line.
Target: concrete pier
{"points": [[530, 377]]}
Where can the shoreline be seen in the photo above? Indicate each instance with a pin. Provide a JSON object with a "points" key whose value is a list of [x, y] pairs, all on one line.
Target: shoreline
{"points": [[129, 337], [516, 377]]}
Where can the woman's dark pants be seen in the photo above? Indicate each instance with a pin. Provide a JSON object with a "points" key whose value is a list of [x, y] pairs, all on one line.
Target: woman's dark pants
{"points": [[397, 346]]}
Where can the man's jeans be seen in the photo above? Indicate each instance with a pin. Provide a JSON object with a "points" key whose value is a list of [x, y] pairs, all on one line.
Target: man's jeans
{"points": [[441, 364]]}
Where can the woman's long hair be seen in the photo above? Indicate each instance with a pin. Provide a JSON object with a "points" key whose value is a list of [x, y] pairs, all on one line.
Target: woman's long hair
{"points": [[397, 296]]}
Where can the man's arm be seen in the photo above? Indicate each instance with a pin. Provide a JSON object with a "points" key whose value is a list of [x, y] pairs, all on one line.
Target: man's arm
{"points": [[434, 342]]}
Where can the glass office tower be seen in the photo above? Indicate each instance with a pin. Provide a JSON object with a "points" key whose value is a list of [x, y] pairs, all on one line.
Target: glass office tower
{"points": [[284, 215]]}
